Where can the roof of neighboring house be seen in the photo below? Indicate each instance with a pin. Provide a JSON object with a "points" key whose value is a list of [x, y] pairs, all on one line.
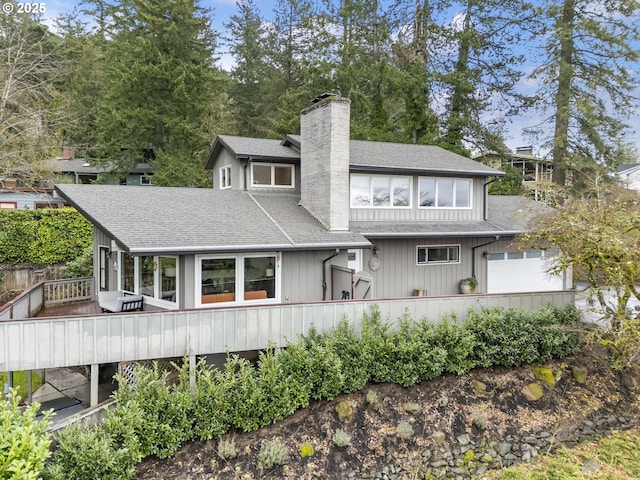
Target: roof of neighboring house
{"points": [[363, 155], [510, 215], [628, 167], [83, 166], [153, 220]]}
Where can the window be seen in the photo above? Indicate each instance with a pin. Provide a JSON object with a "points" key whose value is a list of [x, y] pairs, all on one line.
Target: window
{"points": [[272, 175], [145, 179], [127, 273], [438, 254], [225, 177], [8, 205], [238, 278], [154, 277], [380, 191], [444, 192]]}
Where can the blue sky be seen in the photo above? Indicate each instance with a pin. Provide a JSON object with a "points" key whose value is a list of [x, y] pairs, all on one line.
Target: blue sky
{"points": [[223, 9]]}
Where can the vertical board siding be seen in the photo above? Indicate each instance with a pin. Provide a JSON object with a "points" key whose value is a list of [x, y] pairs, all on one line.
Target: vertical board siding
{"points": [[59, 342]]}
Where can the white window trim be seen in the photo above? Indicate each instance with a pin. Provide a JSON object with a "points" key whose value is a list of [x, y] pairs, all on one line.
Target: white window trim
{"points": [[226, 168], [436, 207], [156, 279], [390, 206], [148, 180], [422, 264], [239, 258], [273, 167]]}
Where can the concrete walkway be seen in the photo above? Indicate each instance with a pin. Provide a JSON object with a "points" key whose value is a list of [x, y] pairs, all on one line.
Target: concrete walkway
{"points": [[68, 392]]}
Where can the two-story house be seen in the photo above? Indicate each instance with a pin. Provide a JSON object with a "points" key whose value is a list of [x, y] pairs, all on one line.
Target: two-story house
{"points": [[314, 217]]}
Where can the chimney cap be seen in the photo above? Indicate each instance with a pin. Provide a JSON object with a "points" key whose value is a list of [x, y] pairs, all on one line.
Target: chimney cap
{"points": [[322, 96]]}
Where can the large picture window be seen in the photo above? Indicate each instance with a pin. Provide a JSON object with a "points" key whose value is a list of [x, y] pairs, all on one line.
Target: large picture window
{"points": [[433, 254], [272, 175], [444, 192], [238, 278], [380, 191]]}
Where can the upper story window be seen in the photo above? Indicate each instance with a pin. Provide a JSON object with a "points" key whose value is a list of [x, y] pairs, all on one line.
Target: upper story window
{"points": [[225, 177], [444, 192], [380, 191], [277, 175]]}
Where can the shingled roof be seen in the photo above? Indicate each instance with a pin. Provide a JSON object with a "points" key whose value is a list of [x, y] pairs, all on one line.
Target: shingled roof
{"points": [[162, 220], [363, 155]]}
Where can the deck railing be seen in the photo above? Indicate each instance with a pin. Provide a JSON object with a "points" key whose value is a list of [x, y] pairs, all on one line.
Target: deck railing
{"points": [[66, 291], [44, 294]]}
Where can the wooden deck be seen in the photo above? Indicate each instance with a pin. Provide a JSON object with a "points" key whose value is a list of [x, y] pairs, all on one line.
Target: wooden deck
{"points": [[71, 309]]}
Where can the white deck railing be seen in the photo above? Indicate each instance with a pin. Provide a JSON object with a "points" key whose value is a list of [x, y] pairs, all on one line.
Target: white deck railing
{"points": [[44, 294], [34, 343]]}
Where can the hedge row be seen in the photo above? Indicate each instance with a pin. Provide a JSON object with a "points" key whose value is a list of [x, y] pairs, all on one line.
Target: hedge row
{"points": [[153, 419], [43, 236]]}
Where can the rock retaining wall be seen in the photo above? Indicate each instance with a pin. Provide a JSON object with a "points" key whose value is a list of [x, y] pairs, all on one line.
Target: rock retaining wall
{"points": [[467, 456]]}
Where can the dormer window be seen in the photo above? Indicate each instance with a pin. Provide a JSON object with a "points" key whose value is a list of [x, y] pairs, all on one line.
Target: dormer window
{"points": [[380, 191], [276, 175], [444, 192]]}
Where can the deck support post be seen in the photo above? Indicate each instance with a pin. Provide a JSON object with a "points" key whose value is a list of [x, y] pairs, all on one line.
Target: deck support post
{"points": [[95, 377]]}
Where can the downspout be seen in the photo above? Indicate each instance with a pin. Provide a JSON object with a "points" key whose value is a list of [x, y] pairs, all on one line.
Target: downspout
{"points": [[485, 213], [324, 274], [473, 254]]}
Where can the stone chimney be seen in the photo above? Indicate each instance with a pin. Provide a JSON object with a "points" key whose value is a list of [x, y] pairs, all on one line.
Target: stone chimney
{"points": [[324, 160]]}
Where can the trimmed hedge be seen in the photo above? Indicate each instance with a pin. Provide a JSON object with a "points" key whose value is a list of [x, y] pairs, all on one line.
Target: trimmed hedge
{"points": [[152, 418], [43, 236]]}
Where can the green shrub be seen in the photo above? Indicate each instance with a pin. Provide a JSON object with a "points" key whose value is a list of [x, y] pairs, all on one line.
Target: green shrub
{"points": [[165, 413], [282, 392], [43, 236], [244, 393], [24, 443], [348, 346], [79, 267], [83, 452], [211, 406], [459, 344]]}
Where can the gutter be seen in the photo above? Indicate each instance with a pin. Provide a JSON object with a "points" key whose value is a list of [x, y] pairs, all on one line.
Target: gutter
{"points": [[324, 273], [473, 254]]}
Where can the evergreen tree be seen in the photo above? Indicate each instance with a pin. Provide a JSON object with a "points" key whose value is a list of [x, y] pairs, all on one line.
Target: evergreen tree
{"points": [[159, 89], [587, 79], [247, 44]]}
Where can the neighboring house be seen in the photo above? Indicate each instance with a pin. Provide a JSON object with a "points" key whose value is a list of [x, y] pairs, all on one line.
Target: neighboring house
{"points": [[13, 196], [314, 217], [534, 170], [629, 176], [80, 170]]}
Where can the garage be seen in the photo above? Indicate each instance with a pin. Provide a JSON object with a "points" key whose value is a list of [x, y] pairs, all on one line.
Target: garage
{"points": [[523, 271]]}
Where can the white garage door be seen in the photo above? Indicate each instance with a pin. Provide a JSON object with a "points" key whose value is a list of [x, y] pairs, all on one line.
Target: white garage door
{"points": [[512, 272]]}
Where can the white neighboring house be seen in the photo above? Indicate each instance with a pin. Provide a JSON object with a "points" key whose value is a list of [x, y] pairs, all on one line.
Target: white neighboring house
{"points": [[629, 176]]}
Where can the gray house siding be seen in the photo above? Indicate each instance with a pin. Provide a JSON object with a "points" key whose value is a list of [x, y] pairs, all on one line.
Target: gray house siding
{"points": [[475, 213], [400, 275], [302, 274]]}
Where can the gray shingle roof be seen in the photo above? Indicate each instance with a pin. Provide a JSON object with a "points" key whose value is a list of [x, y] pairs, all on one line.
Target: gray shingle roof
{"points": [[151, 220], [363, 155], [400, 156]]}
